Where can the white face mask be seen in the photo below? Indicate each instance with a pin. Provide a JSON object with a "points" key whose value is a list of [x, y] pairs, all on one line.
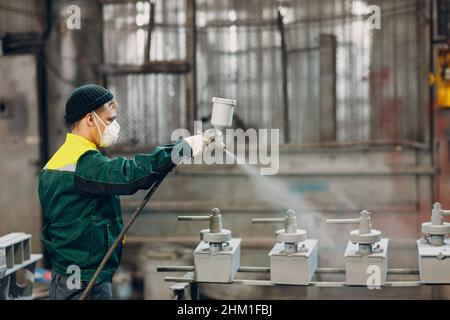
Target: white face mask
{"points": [[111, 133]]}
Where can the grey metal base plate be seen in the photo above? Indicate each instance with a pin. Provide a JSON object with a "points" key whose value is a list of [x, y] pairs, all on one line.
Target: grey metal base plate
{"points": [[364, 270], [219, 266], [293, 268], [434, 262]]}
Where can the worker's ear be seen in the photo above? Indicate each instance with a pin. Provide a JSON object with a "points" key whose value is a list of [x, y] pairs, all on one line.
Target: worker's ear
{"points": [[90, 121]]}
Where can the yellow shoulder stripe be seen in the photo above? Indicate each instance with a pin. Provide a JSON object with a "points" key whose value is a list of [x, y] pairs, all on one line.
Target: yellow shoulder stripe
{"points": [[66, 157]]}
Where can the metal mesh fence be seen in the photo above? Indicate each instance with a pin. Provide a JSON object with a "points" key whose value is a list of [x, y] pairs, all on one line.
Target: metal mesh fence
{"points": [[152, 108], [153, 105], [238, 58], [125, 31], [345, 81]]}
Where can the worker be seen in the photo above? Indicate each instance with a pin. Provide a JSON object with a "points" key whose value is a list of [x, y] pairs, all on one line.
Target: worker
{"points": [[79, 191]]}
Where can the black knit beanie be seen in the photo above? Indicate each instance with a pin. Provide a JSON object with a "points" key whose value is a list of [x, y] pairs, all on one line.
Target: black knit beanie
{"points": [[85, 99]]}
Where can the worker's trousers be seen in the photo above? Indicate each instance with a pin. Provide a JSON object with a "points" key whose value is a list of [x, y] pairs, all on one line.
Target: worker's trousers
{"points": [[59, 289]]}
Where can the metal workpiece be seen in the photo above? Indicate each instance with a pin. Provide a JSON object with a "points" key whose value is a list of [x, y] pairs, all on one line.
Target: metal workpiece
{"points": [[294, 268], [15, 255], [434, 248], [216, 236], [366, 252], [290, 235], [364, 268], [435, 230], [434, 262], [217, 256], [365, 236], [293, 259], [217, 266]]}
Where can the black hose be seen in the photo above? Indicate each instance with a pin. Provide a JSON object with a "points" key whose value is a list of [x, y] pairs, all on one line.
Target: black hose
{"points": [[119, 238]]}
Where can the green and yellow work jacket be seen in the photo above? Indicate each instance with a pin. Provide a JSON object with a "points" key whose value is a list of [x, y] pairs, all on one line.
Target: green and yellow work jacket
{"points": [[79, 192]]}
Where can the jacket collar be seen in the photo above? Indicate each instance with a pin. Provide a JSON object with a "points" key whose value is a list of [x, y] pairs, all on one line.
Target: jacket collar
{"points": [[74, 138]]}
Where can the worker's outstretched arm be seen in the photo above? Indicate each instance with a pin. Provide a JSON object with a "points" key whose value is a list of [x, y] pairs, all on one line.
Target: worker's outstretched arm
{"points": [[98, 174]]}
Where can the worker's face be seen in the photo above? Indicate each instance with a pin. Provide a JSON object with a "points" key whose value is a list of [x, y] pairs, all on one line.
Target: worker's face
{"points": [[107, 113]]}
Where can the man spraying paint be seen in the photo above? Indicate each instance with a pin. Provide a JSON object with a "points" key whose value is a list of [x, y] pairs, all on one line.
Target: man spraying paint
{"points": [[79, 191]]}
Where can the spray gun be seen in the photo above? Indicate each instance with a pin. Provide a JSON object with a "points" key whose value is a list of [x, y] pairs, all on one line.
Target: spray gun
{"points": [[221, 117], [436, 230], [365, 236], [290, 235]]}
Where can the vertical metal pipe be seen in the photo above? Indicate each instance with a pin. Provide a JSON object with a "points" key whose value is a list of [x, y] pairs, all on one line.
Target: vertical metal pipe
{"points": [[71, 57], [328, 98], [102, 77], [284, 57], [434, 181], [42, 94], [151, 23], [191, 57], [42, 83]]}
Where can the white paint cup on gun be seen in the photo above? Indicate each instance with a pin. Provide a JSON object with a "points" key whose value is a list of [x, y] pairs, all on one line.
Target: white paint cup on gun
{"points": [[222, 112]]}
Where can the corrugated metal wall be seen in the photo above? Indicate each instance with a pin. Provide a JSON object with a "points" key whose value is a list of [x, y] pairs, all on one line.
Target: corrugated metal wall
{"points": [[21, 16]]}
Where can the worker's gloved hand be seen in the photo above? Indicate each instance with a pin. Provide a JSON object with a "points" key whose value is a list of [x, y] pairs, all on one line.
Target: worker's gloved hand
{"points": [[198, 143], [215, 138]]}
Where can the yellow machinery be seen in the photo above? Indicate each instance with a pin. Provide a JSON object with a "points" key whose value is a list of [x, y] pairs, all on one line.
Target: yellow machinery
{"points": [[443, 77]]}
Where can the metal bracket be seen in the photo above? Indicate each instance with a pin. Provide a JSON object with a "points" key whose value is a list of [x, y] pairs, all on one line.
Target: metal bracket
{"points": [[15, 255]]}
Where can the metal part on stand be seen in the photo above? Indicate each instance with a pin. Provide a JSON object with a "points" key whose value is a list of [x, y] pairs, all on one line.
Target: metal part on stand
{"points": [[434, 248], [293, 259], [290, 236], [217, 256], [217, 237], [436, 229], [366, 253], [365, 236]]}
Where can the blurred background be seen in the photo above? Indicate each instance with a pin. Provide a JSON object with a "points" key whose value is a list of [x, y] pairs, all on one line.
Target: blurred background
{"points": [[362, 113]]}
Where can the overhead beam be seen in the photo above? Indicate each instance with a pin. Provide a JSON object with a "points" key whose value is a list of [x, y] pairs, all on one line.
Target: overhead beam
{"points": [[170, 67]]}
